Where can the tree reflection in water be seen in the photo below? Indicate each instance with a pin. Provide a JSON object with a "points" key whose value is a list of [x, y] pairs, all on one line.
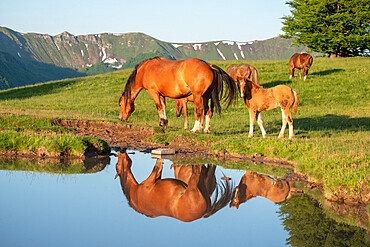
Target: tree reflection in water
{"points": [[308, 225]]}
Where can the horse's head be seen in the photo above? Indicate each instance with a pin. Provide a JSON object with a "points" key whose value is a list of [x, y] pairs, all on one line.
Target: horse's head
{"points": [[126, 107], [123, 162]]}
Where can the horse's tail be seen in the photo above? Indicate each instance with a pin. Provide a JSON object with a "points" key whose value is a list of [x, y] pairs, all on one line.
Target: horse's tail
{"points": [[254, 77], [296, 99], [310, 60], [221, 76], [219, 203]]}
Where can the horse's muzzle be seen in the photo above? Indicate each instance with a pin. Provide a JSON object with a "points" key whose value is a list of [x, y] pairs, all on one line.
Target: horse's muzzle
{"points": [[122, 120]]}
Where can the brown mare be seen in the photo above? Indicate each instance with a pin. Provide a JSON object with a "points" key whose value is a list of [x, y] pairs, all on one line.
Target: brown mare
{"points": [[253, 184], [183, 104], [258, 99], [241, 73], [300, 61], [162, 78], [185, 197]]}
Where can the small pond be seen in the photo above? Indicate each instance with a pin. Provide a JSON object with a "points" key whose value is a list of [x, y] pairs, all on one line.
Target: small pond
{"points": [[87, 206]]}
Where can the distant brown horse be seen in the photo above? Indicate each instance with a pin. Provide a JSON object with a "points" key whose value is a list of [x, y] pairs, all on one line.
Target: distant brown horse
{"points": [[300, 61], [162, 78], [241, 73], [186, 198], [258, 99], [183, 104], [253, 184]]}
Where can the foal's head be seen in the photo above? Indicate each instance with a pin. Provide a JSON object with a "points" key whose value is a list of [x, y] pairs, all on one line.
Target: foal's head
{"points": [[245, 88]]}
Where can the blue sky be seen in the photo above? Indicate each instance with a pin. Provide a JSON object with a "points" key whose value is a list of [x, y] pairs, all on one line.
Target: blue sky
{"points": [[171, 21]]}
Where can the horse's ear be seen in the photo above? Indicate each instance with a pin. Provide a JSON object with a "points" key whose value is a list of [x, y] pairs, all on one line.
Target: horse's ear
{"points": [[116, 176], [120, 93]]}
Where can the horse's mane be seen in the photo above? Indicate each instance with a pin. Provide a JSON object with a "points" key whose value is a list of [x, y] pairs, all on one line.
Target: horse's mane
{"points": [[222, 201], [131, 80]]}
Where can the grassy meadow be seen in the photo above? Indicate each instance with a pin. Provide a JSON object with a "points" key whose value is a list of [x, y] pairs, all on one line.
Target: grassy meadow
{"points": [[332, 125]]}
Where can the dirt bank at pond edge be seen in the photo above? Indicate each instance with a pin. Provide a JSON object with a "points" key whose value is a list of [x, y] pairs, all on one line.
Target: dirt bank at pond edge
{"points": [[131, 136]]}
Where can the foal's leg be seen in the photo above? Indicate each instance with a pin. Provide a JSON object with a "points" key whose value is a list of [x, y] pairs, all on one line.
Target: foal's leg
{"points": [[287, 118], [299, 72], [259, 121], [290, 123], [281, 135], [252, 117], [304, 73]]}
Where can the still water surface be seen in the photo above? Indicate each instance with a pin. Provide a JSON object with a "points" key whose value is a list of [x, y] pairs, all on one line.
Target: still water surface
{"points": [[46, 209]]}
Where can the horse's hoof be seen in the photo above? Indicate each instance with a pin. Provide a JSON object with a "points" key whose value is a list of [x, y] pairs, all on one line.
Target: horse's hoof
{"points": [[250, 135], [163, 122], [206, 131]]}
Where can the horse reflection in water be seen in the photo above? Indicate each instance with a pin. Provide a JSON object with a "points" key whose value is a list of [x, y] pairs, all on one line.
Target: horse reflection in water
{"points": [[253, 184], [186, 197]]}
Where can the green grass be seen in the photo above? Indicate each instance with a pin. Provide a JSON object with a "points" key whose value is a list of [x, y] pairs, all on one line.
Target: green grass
{"points": [[72, 166], [68, 145], [331, 126]]}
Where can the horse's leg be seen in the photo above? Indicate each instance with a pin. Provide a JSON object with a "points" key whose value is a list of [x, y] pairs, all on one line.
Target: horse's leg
{"points": [[198, 112], [252, 117], [260, 123], [304, 73], [160, 103], [291, 71], [299, 72], [163, 121], [285, 120], [185, 106], [156, 173], [208, 118]]}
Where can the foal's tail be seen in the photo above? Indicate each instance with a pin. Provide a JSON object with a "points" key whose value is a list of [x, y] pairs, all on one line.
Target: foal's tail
{"points": [[296, 99], [219, 77]]}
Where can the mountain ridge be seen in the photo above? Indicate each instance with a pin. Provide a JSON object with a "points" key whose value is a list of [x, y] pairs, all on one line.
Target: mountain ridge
{"points": [[68, 55]]}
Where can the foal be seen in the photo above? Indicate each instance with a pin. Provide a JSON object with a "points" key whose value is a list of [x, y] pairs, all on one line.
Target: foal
{"points": [[258, 99]]}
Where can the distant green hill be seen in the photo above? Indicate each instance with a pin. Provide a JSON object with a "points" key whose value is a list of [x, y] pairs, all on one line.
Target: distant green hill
{"points": [[30, 58]]}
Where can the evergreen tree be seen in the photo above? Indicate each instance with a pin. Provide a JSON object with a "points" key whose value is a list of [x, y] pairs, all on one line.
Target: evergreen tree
{"points": [[335, 27]]}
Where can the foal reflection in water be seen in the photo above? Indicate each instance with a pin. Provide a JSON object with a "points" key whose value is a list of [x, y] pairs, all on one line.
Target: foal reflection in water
{"points": [[253, 184], [185, 197]]}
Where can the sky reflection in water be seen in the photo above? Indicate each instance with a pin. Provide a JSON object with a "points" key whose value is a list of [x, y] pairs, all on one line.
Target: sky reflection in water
{"points": [[43, 209]]}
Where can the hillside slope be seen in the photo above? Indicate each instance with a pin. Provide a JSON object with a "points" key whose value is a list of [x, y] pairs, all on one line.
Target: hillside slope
{"points": [[30, 58]]}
